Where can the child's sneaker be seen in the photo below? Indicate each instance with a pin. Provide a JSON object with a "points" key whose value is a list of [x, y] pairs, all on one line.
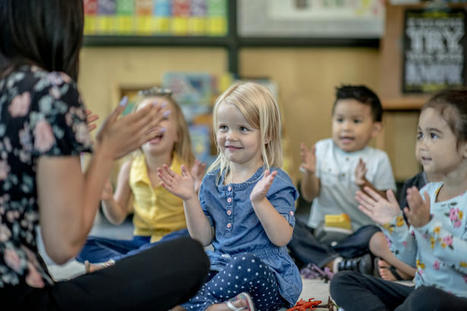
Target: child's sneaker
{"points": [[241, 302], [363, 264]]}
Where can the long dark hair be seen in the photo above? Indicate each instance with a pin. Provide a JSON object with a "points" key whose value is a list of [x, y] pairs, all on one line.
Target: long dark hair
{"points": [[47, 33]]}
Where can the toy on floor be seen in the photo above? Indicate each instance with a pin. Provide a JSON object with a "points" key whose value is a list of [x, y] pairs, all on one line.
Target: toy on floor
{"points": [[312, 271], [311, 304]]}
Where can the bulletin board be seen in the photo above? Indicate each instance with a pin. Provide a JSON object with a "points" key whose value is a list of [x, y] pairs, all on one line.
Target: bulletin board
{"points": [[434, 50]]}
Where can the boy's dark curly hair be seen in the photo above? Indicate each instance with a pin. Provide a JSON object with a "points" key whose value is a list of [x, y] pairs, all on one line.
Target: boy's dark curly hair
{"points": [[363, 95]]}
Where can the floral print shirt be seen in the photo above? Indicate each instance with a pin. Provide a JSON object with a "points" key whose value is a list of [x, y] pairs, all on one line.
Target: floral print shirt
{"points": [[438, 249], [41, 114]]}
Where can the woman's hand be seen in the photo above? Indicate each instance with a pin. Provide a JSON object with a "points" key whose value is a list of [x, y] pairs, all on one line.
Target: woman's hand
{"points": [[308, 159], [91, 119], [183, 186], [418, 212], [119, 136], [379, 209], [262, 187]]}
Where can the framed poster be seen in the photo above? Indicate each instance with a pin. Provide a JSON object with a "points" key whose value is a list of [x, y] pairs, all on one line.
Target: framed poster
{"points": [[311, 18], [433, 50]]}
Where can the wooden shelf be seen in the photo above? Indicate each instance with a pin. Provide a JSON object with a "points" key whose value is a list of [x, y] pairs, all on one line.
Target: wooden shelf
{"points": [[404, 103]]}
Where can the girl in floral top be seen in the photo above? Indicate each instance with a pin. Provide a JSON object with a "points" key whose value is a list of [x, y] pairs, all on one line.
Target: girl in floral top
{"points": [[43, 130], [436, 240]]}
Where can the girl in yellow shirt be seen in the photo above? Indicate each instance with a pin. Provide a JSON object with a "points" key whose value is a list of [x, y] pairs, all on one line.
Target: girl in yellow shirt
{"points": [[157, 214]]}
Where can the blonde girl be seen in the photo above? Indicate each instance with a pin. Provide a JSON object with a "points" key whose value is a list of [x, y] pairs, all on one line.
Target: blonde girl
{"points": [[157, 214], [245, 208], [436, 241]]}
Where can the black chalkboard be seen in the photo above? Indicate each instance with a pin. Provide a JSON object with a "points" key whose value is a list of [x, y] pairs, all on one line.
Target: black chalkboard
{"points": [[434, 50]]}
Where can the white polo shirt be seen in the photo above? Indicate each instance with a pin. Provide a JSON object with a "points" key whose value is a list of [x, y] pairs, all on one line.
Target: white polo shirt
{"points": [[336, 170]]}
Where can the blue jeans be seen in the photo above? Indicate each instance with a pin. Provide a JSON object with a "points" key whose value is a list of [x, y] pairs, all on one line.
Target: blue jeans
{"points": [[100, 249], [305, 248]]}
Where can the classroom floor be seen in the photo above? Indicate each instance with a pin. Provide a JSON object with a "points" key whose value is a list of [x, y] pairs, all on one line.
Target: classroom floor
{"points": [[316, 289]]}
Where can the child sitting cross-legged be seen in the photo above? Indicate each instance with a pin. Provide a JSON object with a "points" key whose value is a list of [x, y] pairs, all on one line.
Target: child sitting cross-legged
{"points": [[436, 238], [333, 171], [157, 214], [245, 208]]}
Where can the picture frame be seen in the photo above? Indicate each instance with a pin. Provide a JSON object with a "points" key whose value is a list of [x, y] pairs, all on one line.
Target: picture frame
{"points": [[311, 19]]}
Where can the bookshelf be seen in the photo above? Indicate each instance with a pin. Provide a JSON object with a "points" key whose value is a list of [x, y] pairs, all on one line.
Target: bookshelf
{"points": [[232, 42]]}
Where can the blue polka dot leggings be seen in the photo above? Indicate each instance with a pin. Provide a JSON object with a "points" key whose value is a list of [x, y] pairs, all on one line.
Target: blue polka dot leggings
{"points": [[244, 273]]}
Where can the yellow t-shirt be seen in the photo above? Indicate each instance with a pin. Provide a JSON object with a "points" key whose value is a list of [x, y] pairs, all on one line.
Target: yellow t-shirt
{"points": [[157, 212]]}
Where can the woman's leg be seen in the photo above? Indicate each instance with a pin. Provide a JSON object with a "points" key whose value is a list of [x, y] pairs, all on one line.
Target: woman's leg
{"points": [[159, 278], [354, 291], [431, 298]]}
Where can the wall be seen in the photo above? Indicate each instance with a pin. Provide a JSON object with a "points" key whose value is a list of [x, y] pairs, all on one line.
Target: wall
{"points": [[307, 78], [104, 70]]}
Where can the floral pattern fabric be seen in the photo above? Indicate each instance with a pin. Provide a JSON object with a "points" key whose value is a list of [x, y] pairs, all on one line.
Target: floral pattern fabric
{"points": [[438, 250], [41, 114]]}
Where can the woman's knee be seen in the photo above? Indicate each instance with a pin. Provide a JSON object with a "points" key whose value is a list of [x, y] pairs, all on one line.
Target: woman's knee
{"points": [[341, 281], [428, 298]]}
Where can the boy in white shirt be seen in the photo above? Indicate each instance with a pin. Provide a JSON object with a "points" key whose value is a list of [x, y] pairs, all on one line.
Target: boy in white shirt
{"points": [[333, 171]]}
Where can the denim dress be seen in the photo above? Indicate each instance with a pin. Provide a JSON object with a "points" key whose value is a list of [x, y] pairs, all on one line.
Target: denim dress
{"points": [[239, 231]]}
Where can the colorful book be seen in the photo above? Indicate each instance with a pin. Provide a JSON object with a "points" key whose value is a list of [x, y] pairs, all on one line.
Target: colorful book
{"points": [[217, 17], [197, 21], [125, 10], [106, 10], [90, 17], [181, 10], [162, 16]]}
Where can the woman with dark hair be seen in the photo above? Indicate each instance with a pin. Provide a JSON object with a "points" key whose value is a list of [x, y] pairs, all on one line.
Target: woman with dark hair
{"points": [[43, 130]]}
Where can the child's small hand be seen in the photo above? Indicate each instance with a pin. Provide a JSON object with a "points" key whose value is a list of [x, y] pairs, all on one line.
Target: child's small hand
{"points": [[197, 171], [91, 119], [360, 172], [262, 187], [379, 209], [107, 192], [418, 212], [180, 185], [308, 159]]}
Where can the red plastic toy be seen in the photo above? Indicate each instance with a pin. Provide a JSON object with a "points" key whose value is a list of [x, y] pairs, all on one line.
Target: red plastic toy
{"points": [[303, 305]]}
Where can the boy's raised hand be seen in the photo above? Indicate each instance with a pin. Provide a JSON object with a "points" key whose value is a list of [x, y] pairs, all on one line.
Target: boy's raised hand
{"points": [[197, 171], [308, 159], [378, 208], [262, 187], [418, 212], [182, 185], [360, 173]]}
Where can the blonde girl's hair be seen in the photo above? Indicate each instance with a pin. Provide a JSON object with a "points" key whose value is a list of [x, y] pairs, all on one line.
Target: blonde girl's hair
{"points": [[260, 109], [183, 146]]}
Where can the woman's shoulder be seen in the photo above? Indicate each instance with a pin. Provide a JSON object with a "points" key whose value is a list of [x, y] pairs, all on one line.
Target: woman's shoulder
{"points": [[33, 85], [37, 78]]}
